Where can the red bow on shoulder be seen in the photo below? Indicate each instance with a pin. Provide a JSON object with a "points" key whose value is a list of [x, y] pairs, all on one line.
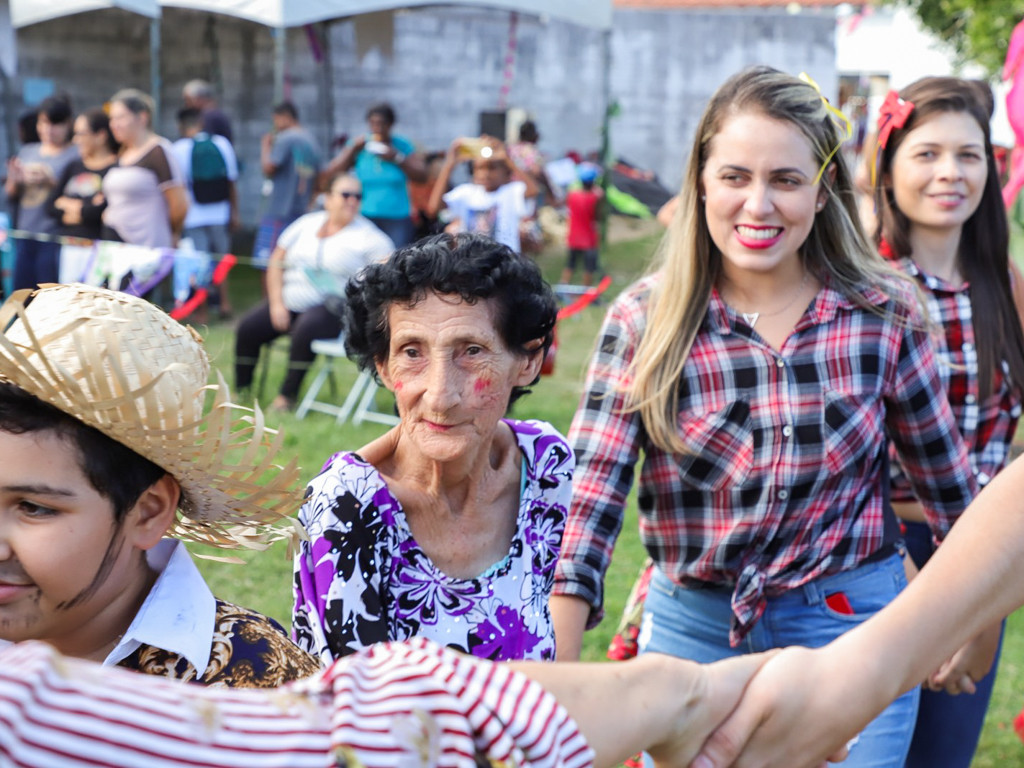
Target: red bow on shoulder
{"points": [[893, 114]]}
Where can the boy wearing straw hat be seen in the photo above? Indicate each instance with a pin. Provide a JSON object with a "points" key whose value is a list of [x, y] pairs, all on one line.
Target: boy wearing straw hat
{"points": [[105, 448]]}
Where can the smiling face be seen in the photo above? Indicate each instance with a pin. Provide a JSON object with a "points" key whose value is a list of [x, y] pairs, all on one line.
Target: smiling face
{"points": [[939, 171], [452, 375], [343, 199], [760, 193], [127, 127], [89, 142], [67, 569]]}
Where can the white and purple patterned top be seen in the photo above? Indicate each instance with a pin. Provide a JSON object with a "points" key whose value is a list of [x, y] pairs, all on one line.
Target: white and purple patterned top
{"points": [[362, 578]]}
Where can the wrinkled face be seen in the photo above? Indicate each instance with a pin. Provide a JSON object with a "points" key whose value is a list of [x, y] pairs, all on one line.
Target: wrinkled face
{"points": [[939, 171], [63, 558], [343, 199], [761, 197], [490, 174], [51, 133], [126, 126], [452, 375]]}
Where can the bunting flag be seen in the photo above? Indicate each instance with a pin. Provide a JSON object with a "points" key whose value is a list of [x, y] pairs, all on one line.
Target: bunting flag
{"points": [[585, 299], [509, 74], [134, 269]]}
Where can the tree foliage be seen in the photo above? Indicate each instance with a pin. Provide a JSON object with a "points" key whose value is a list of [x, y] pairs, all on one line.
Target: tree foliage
{"points": [[978, 30]]}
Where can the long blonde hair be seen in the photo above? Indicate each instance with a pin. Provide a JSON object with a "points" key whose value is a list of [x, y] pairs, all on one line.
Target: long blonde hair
{"points": [[688, 262]]}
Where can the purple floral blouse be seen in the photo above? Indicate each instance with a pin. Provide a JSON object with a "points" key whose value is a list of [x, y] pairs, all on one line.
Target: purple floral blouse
{"points": [[361, 578]]}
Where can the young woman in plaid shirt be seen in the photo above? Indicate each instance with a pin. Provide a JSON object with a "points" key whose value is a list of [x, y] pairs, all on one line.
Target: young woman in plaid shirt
{"points": [[761, 370], [941, 220]]}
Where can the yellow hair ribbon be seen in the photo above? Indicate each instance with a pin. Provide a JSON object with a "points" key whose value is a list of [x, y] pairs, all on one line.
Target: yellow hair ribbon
{"points": [[841, 121]]}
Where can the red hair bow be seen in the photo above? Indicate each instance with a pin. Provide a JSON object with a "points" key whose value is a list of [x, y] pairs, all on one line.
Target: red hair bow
{"points": [[893, 114]]}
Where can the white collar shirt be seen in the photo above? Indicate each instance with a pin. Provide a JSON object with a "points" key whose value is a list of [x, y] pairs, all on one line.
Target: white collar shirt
{"points": [[179, 613]]}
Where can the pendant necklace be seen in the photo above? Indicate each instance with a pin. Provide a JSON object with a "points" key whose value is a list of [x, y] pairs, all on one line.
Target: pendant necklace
{"points": [[751, 318]]}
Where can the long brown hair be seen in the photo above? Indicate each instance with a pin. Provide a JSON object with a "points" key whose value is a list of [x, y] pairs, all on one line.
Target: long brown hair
{"points": [[983, 255]]}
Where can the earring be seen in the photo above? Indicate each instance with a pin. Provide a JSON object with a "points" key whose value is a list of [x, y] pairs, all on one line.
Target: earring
{"points": [[819, 206], [703, 198]]}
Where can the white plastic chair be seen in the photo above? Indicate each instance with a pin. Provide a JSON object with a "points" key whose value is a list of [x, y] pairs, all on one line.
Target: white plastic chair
{"points": [[358, 403]]}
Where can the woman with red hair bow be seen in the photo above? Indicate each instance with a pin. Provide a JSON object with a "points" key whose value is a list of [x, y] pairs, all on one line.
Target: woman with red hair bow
{"points": [[941, 220]]}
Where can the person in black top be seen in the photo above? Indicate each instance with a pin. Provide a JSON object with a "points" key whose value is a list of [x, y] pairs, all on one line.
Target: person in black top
{"points": [[77, 200]]}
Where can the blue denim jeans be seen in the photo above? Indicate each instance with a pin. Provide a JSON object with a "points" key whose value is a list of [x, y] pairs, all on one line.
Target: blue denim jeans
{"points": [[694, 624], [401, 231], [36, 262], [948, 727]]}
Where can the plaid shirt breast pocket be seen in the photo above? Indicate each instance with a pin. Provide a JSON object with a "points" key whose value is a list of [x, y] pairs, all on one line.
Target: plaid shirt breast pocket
{"points": [[852, 431], [720, 448]]}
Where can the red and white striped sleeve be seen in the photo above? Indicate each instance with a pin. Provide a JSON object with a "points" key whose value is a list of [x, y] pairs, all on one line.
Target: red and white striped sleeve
{"points": [[417, 700], [392, 705], [56, 711]]}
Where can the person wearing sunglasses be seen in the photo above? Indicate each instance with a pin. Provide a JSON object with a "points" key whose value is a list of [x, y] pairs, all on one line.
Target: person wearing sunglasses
{"points": [[313, 259]]}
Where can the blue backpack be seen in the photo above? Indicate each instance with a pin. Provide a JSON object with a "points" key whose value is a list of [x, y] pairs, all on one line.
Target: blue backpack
{"points": [[210, 182]]}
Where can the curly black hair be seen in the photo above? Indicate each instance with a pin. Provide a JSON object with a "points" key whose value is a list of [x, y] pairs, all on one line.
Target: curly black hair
{"points": [[469, 266]]}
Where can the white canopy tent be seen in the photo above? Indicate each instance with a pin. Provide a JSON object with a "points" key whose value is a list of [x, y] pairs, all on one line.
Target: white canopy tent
{"points": [[280, 14], [291, 13], [25, 12]]}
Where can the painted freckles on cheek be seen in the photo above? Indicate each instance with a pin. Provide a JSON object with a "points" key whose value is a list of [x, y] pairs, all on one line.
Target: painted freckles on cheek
{"points": [[481, 385]]}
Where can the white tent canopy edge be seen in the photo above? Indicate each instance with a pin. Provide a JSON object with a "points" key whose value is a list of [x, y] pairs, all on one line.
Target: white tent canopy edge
{"points": [[25, 12], [290, 13]]}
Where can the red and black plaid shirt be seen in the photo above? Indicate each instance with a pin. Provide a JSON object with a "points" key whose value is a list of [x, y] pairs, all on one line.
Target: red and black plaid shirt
{"points": [[784, 480], [987, 424]]}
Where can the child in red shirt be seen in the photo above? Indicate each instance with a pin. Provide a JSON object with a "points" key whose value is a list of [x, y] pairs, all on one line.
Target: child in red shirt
{"points": [[582, 237]]}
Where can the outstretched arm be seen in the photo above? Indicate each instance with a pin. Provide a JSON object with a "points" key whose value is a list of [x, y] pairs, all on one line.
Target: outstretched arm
{"points": [[436, 202], [393, 703], [672, 703], [806, 704]]}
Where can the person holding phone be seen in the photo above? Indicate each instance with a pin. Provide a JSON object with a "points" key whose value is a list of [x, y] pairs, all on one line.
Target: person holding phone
{"points": [[31, 175], [384, 162], [291, 162], [494, 202]]}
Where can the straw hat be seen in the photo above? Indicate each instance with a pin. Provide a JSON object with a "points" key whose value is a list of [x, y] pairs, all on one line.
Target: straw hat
{"points": [[123, 366]]}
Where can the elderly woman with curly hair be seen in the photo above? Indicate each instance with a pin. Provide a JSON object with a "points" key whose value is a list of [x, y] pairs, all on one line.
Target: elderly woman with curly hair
{"points": [[448, 526]]}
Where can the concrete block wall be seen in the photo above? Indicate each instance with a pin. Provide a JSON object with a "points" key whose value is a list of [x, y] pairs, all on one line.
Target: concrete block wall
{"points": [[439, 67]]}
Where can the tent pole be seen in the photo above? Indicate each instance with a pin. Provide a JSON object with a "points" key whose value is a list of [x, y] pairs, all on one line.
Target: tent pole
{"points": [[606, 124], [154, 68], [280, 52]]}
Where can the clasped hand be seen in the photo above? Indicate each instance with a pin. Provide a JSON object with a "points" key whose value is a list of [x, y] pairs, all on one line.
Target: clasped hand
{"points": [[795, 712]]}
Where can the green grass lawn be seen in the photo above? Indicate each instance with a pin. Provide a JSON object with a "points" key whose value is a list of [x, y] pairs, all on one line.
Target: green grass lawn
{"points": [[264, 583]]}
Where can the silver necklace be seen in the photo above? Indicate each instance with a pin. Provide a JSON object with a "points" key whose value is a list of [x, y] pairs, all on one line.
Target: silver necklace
{"points": [[751, 318]]}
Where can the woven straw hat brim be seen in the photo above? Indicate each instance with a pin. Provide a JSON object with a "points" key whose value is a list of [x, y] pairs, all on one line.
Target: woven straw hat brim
{"points": [[126, 368]]}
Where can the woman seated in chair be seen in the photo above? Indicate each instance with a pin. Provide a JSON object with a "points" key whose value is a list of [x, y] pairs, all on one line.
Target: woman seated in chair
{"points": [[314, 257], [449, 525]]}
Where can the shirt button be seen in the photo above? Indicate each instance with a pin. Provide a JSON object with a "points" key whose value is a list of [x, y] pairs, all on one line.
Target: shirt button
{"points": [[983, 478], [783, 495], [780, 363], [968, 347], [970, 399], [787, 431]]}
